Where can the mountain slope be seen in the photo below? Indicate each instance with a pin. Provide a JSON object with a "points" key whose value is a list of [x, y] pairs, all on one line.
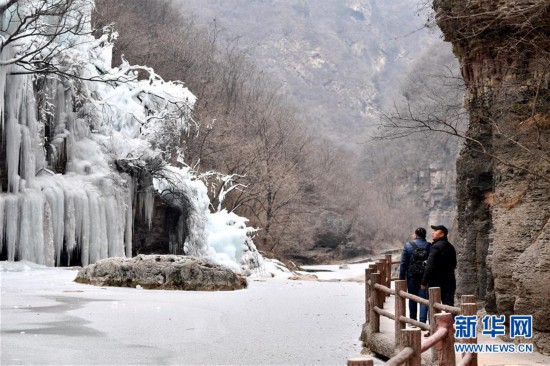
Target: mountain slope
{"points": [[340, 60]]}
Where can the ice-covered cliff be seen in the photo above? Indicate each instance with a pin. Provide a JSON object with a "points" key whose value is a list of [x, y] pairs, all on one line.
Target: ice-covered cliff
{"points": [[85, 147]]}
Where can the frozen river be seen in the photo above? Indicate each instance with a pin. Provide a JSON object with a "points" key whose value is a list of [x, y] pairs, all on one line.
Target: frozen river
{"points": [[46, 319]]}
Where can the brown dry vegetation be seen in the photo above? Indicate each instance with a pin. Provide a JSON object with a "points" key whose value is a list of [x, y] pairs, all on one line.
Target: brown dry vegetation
{"points": [[303, 193]]}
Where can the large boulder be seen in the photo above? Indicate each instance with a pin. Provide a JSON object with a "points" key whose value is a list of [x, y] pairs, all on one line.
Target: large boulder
{"points": [[168, 272]]}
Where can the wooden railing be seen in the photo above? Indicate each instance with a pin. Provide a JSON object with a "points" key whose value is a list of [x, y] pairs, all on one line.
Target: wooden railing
{"points": [[409, 342], [412, 346]]}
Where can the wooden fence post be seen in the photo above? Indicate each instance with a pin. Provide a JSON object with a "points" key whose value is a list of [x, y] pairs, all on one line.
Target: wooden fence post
{"points": [[470, 309], [388, 271], [380, 266], [400, 310], [373, 268], [382, 280], [374, 316], [434, 297], [368, 271], [360, 361], [467, 299], [412, 338], [446, 348]]}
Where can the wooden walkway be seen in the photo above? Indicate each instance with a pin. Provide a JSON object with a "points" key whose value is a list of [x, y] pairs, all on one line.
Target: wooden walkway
{"points": [[389, 333], [485, 359]]}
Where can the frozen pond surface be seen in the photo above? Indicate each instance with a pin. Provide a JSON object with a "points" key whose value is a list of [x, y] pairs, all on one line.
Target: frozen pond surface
{"points": [[46, 319]]}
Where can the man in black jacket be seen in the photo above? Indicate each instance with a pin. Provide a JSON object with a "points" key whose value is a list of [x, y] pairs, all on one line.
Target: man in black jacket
{"points": [[441, 265], [415, 254]]}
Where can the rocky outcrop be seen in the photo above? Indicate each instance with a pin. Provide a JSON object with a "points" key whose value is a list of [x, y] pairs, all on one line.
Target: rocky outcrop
{"points": [[504, 172], [436, 186], [168, 272]]}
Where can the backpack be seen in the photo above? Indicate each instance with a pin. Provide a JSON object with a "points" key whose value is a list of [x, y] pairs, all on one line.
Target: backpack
{"points": [[418, 260]]}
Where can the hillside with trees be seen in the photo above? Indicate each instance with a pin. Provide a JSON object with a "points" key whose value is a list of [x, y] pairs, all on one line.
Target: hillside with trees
{"points": [[311, 197]]}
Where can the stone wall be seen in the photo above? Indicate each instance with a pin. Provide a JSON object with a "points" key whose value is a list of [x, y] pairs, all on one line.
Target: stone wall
{"points": [[503, 173]]}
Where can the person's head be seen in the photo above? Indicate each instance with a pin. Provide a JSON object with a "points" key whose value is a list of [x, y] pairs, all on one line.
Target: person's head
{"points": [[420, 233], [439, 231]]}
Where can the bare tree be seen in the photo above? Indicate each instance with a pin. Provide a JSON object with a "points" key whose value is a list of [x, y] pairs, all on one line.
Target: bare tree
{"points": [[34, 33], [249, 130], [440, 109]]}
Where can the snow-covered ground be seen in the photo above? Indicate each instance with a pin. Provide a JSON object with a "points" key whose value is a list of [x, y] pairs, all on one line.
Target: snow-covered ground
{"points": [[48, 319]]}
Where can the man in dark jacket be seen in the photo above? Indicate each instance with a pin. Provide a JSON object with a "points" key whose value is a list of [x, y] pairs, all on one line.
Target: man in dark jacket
{"points": [[410, 270], [441, 265]]}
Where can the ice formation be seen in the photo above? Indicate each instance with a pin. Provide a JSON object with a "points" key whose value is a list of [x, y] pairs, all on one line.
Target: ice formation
{"points": [[230, 243], [65, 130]]}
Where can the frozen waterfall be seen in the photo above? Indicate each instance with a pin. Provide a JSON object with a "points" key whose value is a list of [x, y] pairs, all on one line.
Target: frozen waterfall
{"points": [[60, 136], [77, 134], [86, 208]]}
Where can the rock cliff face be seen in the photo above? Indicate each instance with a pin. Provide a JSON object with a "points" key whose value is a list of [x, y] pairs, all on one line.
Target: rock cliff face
{"points": [[503, 172]]}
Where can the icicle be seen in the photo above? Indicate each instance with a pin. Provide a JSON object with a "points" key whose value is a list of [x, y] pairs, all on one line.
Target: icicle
{"points": [[148, 199], [60, 106], [129, 219], [94, 225], [82, 231], [38, 154], [13, 142], [111, 243], [25, 251], [59, 222], [37, 234], [49, 250], [70, 222], [112, 217], [27, 157], [85, 230], [78, 209], [55, 196], [1, 223], [103, 239], [11, 205], [13, 131]]}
